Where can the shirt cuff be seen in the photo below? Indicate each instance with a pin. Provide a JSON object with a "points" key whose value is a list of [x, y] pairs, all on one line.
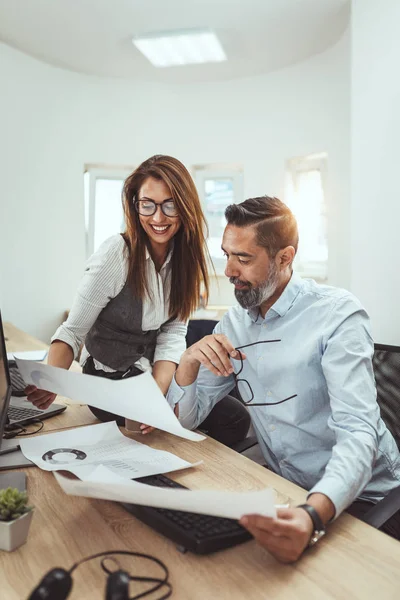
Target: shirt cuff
{"points": [[176, 392], [169, 347], [340, 494], [63, 335]]}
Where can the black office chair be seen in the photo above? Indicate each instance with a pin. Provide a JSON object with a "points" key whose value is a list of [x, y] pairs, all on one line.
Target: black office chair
{"points": [[386, 364], [197, 329], [216, 425]]}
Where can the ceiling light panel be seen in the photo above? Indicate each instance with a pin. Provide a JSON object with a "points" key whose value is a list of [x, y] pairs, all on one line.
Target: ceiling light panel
{"points": [[176, 48]]}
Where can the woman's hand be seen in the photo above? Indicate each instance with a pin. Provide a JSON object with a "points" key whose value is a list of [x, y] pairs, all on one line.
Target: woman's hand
{"points": [[39, 398], [144, 429], [163, 372], [60, 355]]}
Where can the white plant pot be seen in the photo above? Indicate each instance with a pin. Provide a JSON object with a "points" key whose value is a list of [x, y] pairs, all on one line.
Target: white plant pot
{"points": [[14, 533]]}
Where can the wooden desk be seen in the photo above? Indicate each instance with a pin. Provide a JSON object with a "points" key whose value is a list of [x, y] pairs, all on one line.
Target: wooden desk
{"points": [[352, 561]]}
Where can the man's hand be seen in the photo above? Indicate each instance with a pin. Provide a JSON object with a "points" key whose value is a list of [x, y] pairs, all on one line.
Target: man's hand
{"points": [[286, 536], [39, 398], [212, 351]]}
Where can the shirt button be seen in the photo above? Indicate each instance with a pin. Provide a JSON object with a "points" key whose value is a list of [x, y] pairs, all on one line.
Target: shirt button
{"points": [[141, 349], [269, 393], [272, 427]]}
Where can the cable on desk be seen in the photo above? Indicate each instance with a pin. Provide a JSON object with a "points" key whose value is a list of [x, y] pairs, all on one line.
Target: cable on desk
{"points": [[19, 431]]}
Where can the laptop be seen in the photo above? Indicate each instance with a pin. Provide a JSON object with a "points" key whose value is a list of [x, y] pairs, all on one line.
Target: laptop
{"points": [[11, 456]]}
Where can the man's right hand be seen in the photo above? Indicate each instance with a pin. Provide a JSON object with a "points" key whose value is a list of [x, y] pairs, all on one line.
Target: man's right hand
{"points": [[39, 398], [214, 352]]}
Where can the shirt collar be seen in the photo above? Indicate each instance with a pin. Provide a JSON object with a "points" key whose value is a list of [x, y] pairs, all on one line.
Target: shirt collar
{"points": [[284, 301]]}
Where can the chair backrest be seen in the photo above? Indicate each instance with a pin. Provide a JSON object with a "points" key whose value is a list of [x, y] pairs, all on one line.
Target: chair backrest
{"points": [[198, 328], [386, 363]]}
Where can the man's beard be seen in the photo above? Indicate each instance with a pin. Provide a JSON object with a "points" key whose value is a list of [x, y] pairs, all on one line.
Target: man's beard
{"points": [[255, 296]]}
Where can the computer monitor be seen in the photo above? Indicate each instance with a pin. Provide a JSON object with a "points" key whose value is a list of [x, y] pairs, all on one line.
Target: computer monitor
{"points": [[16, 459], [5, 383], [10, 455]]}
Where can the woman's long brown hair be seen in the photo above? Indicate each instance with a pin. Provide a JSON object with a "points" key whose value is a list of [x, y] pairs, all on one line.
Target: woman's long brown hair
{"points": [[189, 258]]}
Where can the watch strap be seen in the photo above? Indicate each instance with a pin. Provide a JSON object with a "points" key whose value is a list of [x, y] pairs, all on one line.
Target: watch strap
{"points": [[319, 527]]}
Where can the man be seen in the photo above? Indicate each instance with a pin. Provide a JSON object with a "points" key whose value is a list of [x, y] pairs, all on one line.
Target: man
{"points": [[300, 354]]}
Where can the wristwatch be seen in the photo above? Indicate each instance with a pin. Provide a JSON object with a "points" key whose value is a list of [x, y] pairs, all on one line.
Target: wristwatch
{"points": [[319, 527]]}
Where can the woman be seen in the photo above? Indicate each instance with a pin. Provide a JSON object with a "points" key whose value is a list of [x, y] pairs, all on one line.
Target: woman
{"points": [[139, 288]]}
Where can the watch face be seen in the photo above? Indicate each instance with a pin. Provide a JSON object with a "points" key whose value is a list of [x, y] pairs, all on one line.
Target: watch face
{"points": [[317, 535]]}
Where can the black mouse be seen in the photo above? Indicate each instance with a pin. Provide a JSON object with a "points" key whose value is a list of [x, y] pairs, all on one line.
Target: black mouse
{"points": [[55, 585]]}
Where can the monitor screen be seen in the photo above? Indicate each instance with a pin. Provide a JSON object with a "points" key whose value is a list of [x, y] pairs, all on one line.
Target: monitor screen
{"points": [[5, 384]]}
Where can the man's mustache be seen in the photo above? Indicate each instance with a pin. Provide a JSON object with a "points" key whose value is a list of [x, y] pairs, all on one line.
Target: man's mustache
{"points": [[237, 281]]}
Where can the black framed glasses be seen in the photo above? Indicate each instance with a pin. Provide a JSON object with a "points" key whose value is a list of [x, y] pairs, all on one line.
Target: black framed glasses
{"points": [[243, 388], [147, 208]]}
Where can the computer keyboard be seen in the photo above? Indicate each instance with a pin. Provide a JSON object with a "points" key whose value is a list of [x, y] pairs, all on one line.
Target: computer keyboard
{"points": [[18, 385], [19, 414], [201, 534]]}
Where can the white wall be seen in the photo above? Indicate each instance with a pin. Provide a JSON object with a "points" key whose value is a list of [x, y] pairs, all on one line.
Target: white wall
{"points": [[375, 211], [52, 122]]}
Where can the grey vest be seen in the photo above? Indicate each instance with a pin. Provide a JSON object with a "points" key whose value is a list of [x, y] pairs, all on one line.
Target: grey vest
{"points": [[116, 339]]}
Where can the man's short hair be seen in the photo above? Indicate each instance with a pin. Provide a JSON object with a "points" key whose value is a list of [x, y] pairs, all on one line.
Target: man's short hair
{"points": [[275, 224]]}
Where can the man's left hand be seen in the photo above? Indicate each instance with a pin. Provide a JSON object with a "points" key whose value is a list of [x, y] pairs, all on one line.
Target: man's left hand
{"points": [[285, 536]]}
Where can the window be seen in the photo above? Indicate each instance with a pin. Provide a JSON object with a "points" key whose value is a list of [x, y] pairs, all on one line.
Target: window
{"points": [[103, 205], [305, 195], [217, 188]]}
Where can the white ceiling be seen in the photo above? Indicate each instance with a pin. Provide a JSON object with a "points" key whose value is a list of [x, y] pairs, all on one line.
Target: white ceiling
{"points": [[94, 36]]}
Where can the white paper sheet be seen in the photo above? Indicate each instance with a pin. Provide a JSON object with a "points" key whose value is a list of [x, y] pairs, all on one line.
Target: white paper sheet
{"points": [[137, 398], [83, 449], [28, 355], [233, 505]]}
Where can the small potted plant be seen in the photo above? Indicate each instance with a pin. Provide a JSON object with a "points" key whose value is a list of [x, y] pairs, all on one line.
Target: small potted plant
{"points": [[15, 518]]}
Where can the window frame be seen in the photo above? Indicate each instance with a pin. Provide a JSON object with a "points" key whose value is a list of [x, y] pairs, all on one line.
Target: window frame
{"points": [[219, 171], [95, 172], [294, 167]]}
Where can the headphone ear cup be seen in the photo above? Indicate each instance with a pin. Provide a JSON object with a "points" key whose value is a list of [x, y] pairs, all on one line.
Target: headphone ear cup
{"points": [[55, 585], [118, 586]]}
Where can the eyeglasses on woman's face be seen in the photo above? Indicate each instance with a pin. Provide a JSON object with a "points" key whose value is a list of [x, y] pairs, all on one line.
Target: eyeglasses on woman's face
{"points": [[147, 208]]}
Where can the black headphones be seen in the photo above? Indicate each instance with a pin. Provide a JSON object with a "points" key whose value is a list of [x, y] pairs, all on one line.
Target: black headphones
{"points": [[57, 583]]}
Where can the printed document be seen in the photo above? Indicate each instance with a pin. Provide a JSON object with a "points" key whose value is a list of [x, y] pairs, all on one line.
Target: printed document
{"points": [[136, 398], [107, 486], [83, 449]]}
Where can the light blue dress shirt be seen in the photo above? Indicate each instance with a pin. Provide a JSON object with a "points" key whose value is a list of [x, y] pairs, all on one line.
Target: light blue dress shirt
{"points": [[330, 438]]}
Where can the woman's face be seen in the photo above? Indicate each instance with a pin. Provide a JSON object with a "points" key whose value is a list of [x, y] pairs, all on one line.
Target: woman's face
{"points": [[159, 227]]}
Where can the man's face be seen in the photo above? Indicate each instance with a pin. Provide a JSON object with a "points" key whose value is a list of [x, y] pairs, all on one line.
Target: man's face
{"points": [[249, 268]]}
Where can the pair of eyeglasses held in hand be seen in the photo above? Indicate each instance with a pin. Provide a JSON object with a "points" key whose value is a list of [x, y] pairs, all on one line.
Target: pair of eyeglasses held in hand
{"points": [[243, 387]]}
